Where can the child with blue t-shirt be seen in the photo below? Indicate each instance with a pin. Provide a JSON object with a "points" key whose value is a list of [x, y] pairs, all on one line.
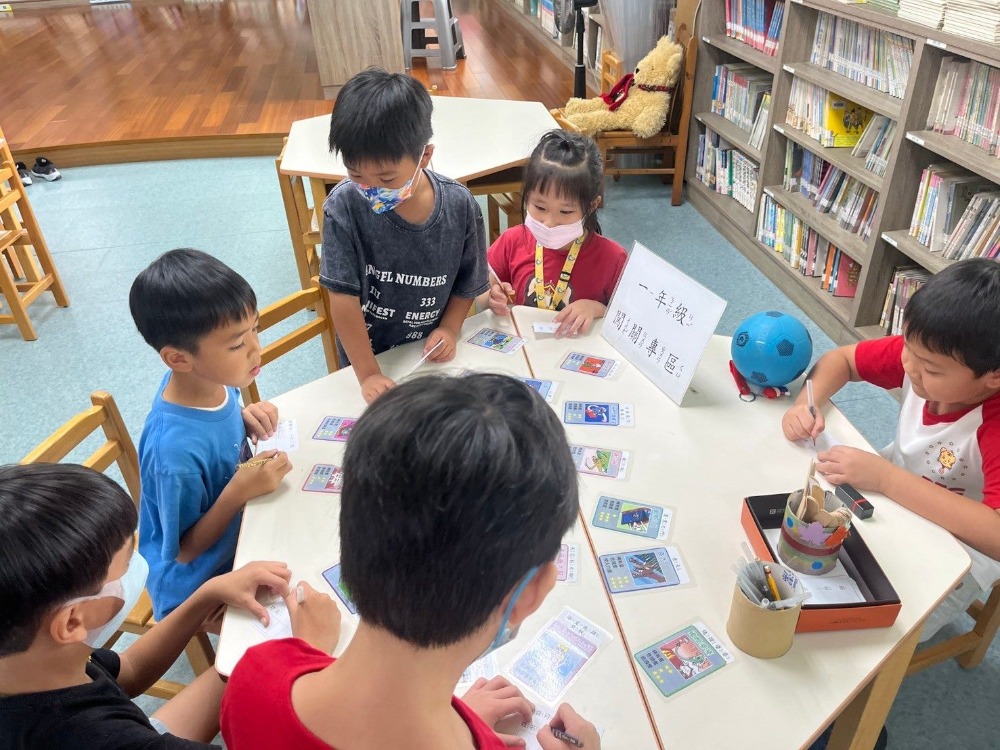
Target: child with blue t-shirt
{"points": [[201, 316]]}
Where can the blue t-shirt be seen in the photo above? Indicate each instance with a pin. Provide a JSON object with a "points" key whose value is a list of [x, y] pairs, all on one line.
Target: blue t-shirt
{"points": [[186, 458]]}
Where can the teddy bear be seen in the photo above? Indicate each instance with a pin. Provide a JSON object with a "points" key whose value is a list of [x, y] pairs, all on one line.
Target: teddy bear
{"points": [[638, 102]]}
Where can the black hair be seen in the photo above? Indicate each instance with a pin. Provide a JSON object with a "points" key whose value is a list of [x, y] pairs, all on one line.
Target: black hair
{"points": [[569, 163], [957, 313], [60, 527], [186, 294], [380, 117], [454, 488]]}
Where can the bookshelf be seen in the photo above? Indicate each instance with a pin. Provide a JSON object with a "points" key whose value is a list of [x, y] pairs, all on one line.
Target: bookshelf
{"points": [[914, 147]]}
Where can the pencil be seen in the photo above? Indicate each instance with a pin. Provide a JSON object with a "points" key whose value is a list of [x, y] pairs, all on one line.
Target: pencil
{"points": [[771, 585], [561, 735], [809, 397], [254, 462]]}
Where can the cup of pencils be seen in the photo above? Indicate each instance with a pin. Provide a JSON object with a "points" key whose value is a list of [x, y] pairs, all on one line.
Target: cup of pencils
{"points": [[767, 600]]}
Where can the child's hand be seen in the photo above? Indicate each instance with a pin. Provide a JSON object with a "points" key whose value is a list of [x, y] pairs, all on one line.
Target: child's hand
{"points": [[257, 481], [495, 700], [374, 386], [316, 620], [499, 300], [446, 351], [861, 469], [239, 588], [261, 420], [577, 316], [573, 724], [799, 424]]}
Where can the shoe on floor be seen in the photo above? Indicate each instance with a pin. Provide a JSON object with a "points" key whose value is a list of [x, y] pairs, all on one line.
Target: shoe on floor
{"points": [[23, 173], [45, 169], [820, 744]]}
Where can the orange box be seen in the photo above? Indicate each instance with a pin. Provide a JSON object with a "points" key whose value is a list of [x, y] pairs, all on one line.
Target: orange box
{"points": [[881, 605]]}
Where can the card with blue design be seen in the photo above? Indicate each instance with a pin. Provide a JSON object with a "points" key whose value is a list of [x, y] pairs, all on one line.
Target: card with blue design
{"points": [[683, 658], [630, 517], [325, 478], [546, 387], [605, 413], [337, 429], [332, 576], [589, 364], [498, 341], [643, 569]]}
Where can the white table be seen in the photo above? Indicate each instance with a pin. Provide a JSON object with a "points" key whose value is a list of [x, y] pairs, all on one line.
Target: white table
{"points": [[476, 142], [702, 460], [302, 529]]}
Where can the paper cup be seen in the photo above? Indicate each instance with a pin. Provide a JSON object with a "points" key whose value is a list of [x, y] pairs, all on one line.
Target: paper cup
{"points": [[765, 633], [800, 546]]}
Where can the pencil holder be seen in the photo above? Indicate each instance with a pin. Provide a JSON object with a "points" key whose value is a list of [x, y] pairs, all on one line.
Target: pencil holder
{"points": [[813, 533], [761, 632]]}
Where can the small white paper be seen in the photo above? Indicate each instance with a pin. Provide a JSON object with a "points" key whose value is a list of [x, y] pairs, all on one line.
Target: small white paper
{"points": [[826, 440], [546, 329], [529, 729], [285, 438], [280, 623]]}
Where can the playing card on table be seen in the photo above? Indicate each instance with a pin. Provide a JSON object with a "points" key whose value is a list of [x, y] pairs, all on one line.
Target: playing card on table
{"points": [[683, 658], [337, 429], [285, 438], [332, 576], [601, 462], [606, 413], [642, 569], [557, 655], [567, 569], [498, 341], [587, 364], [545, 387], [324, 478], [629, 517]]}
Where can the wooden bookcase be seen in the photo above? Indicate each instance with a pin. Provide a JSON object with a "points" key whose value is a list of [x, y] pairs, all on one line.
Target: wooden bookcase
{"points": [[846, 320]]}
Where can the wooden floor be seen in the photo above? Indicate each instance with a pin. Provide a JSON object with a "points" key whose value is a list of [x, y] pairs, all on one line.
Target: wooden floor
{"points": [[167, 69]]}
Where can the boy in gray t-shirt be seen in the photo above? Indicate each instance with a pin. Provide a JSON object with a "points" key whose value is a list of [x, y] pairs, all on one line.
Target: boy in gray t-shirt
{"points": [[404, 249]]}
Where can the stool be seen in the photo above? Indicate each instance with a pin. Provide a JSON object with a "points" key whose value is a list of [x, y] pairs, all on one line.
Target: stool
{"points": [[510, 204], [444, 24]]}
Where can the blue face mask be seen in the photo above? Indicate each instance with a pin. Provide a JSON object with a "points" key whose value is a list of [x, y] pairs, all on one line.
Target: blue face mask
{"points": [[128, 588], [505, 634], [383, 199]]}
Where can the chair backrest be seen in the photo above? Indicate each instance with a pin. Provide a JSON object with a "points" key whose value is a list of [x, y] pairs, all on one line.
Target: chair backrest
{"points": [[322, 325], [117, 448]]}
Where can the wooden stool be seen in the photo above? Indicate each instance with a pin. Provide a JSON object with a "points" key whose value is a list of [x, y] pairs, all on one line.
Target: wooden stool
{"points": [[21, 245], [510, 204]]}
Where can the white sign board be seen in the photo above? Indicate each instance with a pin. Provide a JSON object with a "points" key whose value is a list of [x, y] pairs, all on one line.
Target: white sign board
{"points": [[661, 321]]}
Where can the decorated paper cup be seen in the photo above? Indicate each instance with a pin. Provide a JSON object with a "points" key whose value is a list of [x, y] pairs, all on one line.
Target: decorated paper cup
{"points": [[809, 548]]}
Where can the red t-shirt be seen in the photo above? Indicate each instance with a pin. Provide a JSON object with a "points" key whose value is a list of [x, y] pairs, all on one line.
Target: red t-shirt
{"points": [[595, 275], [257, 705]]}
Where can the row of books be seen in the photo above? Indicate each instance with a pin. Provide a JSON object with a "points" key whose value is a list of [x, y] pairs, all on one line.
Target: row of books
{"points": [[737, 92], [928, 12], [945, 192], [756, 22], [829, 189], [759, 131], [878, 59], [905, 281], [875, 144], [977, 234], [727, 170], [825, 116], [966, 103], [978, 19], [805, 250]]}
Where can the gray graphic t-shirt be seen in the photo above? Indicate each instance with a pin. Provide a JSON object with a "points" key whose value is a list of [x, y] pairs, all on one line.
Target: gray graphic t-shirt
{"points": [[404, 274]]}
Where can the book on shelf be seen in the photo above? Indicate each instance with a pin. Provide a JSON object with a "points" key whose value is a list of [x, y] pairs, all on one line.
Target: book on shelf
{"points": [[726, 170], [875, 144], [944, 193], [977, 233], [825, 116], [977, 19], [738, 91], [756, 23], [927, 12], [759, 130], [905, 281], [966, 103], [876, 58]]}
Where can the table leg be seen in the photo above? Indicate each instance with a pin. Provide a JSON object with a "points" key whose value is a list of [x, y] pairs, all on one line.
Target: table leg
{"points": [[860, 722]]}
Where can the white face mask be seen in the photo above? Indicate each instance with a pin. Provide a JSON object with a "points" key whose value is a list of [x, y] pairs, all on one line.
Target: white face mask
{"points": [[128, 588], [553, 237]]}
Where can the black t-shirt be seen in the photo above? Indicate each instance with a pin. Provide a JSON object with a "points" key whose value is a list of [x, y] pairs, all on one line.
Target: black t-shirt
{"points": [[95, 716]]}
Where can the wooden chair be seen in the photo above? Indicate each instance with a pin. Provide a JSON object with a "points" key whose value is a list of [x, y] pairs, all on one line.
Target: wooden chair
{"points": [[510, 204], [670, 145], [305, 223], [22, 251], [970, 648], [315, 297], [118, 448]]}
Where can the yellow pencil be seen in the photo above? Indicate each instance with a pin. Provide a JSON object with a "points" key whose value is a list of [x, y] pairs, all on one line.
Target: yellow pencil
{"points": [[771, 585]]}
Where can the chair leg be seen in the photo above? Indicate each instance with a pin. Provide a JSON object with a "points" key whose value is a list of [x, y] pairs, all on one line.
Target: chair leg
{"points": [[406, 19], [492, 218], [987, 623], [444, 38], [200, 653]]}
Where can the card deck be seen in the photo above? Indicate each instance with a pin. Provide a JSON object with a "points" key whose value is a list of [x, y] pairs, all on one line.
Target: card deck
{"points": [[557, 655], [324, 478], [332, 576], [498, 341], [643, 569], [601, 462], [567, 567], [544, 330], [547, 388], [590, 365], [609, 414], [337, 429], [640, 519], [683, 658]]}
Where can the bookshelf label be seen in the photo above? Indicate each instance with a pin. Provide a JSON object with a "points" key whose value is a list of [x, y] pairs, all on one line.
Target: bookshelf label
{"points": [[788, 69], [936, 43], [915, 138], [779, 128], [890, 240], [706, 40]]}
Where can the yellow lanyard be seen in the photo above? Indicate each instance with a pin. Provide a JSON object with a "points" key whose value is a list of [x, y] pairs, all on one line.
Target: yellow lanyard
{"points": [[567, 269]]}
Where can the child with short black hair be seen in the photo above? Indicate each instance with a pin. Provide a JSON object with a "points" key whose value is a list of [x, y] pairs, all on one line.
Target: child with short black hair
{"points": [[404, 249], [69, 575], [471, 516], [945, 461], [201, 317], [560, 241]]}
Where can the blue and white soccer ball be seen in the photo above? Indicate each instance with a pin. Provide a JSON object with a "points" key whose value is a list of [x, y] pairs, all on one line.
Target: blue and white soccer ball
{"points": [[771, 349]]}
